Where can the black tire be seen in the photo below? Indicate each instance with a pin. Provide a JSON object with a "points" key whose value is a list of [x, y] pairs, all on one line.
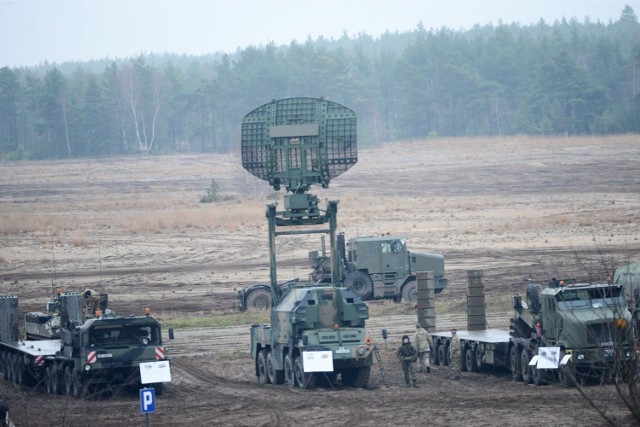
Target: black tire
{"points": [[48, 379], [470, 360], [360, 283], [11, 366], [304, 380], [362, 377], [566, 375], [68, 381], [275, 376], [443, 355], [77, 388], [56, 379], [3, 368], [514, 356], [537, 375], [463, 359], [410, 292], [18, 370], [289, 373], [261, 364], [479, 355], [259, 300], [527, 378]]}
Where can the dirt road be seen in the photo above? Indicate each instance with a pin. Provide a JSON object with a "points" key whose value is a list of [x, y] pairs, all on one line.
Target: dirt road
{"points": [[135, 229]]}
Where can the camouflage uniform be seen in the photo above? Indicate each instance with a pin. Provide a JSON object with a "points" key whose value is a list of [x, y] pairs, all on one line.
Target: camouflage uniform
{"points": [[407, 354], [423, 341], [454, 356]]}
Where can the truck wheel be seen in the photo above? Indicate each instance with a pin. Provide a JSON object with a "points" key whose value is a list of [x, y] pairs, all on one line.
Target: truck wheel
{"points": [[11, 366], [362, 377], [77, 389], [18, 370], [305, 380], [289, 374], [470, 360], [263, 377], [527, 378], [537, 375], [360, 283], [463, 359], [515, 363], [410, 292], [48, 380], [275, 376], [2, 366], [68, 386], [259, 299], [566, 375]]}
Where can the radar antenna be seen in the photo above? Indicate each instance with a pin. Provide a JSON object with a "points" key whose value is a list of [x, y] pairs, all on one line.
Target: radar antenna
{"points": [[297, 143]]}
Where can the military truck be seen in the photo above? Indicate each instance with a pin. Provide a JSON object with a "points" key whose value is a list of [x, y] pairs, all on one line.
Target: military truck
{"points": [[372, 267], [307, 322], [567, 331], [69, 352], [379, 267]]}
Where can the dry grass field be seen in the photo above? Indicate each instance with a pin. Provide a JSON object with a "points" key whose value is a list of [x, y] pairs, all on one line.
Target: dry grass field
{"points": [[135, 228]]}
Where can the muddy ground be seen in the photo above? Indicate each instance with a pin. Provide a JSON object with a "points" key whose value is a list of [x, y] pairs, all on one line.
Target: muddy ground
{"points": [[135, 228]]}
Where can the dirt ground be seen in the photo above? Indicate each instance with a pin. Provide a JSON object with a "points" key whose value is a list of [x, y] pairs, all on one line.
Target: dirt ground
{"points": [[135, 228]]}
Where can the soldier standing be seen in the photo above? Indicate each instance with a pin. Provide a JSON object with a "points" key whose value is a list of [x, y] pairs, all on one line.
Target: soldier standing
{"points": [[407, 354], [454, 355], [423, 341]]}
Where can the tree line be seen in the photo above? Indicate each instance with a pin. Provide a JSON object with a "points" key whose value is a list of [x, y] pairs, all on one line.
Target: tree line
{"points": [[566, 78]]}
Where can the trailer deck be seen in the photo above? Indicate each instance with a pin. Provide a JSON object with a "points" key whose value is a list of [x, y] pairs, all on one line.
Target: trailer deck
{"points": [[36, 347]]}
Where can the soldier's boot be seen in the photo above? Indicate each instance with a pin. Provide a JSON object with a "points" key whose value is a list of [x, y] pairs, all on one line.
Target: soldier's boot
{"points": [[414, 384], [406, 380], [428, 369]]}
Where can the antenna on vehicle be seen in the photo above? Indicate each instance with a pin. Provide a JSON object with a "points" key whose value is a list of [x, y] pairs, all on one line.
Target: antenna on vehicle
{"points": [[54, 279]]}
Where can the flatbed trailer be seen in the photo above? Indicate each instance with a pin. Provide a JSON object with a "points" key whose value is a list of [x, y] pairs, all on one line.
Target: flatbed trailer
{"points": [[478, 349]]}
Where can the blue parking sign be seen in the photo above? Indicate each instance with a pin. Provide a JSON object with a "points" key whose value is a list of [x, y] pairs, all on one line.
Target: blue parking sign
{"points": [[147, 400]]}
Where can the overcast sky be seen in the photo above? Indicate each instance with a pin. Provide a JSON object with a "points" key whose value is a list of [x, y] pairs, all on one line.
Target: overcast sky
{"points": [[32, 32]]}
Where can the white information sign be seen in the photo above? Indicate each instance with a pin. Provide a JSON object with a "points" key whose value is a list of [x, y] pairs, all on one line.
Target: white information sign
{"points": [[317, 361], [155, 372], [547, 358]]}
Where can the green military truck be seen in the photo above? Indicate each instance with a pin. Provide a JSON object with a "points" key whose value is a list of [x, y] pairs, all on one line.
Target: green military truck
{"points": [[70, 353], [317, 321], [379, 267], [571, 332]]}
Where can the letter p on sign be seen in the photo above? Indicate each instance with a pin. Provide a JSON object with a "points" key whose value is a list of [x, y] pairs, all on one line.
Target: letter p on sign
{"points": [[147, 400]]}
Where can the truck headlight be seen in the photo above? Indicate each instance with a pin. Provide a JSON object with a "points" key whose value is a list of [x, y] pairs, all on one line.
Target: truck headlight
{"points": [[87, 367], [580, 356], [361, 351]]}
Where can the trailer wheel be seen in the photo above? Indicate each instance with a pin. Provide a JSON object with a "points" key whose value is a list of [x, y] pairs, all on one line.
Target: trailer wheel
{"points": [[470, 360], [527, 378], [259, 299], [4, 360], [304, 379], [67, 381], [18, 370], [515, 363], [2, 368], [275, 376], [289, 374], [463, 359], [263, 377], [360, 283], [479, 355], [11, 366]]}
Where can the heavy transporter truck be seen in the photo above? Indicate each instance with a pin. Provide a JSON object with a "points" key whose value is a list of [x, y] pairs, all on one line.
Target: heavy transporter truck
{"points": [[69, 352], [317, 331], [570, 332]]}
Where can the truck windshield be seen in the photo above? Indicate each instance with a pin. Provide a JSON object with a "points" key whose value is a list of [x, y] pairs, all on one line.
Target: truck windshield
{"points": [[576, 299], [115, 335]]}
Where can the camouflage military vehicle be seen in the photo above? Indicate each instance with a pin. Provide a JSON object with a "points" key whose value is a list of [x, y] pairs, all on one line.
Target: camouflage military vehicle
{"points": [[69, 352], [379, 267], [306, 323]]}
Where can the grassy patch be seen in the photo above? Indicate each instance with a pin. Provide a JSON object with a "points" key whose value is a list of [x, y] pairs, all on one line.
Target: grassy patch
{"points": [[180, 321]]}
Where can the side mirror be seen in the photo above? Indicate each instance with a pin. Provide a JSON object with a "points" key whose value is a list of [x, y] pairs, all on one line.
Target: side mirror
{"points": [[384, 334], [171, 333]]}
